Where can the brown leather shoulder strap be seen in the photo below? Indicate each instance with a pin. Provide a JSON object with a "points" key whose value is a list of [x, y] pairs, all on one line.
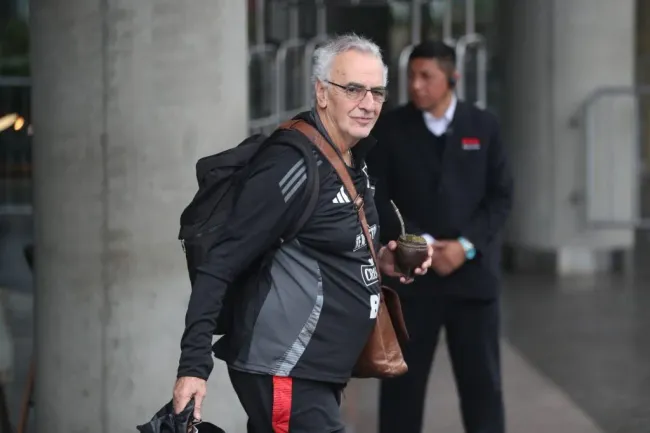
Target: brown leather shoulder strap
{"points": [[339, 165]]}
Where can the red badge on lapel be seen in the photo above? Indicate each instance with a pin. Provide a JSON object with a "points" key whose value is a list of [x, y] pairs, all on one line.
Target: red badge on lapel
{"points": [[471, 143]]}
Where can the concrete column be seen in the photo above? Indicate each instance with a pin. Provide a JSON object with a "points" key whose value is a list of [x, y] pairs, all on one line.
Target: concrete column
{"points": [[127, 95], [643, 79], [558, 54], [643, 68]]}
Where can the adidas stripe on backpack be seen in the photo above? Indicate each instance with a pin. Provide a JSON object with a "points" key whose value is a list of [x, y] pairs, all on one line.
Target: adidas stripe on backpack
{"points": [[220, 177]]}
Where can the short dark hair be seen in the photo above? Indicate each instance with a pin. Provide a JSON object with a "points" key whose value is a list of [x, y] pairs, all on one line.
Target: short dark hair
{"points": [[438, 50]]}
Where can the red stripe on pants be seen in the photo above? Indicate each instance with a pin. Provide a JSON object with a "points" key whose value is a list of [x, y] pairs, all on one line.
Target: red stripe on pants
{"points": [[282, 387]]}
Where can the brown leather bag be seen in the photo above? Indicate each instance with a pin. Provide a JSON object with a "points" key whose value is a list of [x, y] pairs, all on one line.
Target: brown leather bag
{"points": [[382, 356]]}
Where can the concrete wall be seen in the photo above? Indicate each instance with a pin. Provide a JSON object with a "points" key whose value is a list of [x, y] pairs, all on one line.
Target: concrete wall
{"points": [[127, 95], [559, 52]]}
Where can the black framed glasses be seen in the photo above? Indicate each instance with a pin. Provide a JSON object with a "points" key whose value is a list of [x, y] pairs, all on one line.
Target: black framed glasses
{"points": [[356, 92]]}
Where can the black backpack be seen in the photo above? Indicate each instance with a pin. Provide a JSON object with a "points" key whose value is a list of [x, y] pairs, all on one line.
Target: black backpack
{"points": [[220, 177]]}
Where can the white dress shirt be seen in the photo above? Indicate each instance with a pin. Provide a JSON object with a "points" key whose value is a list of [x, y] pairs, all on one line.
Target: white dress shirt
{"points": [[439, 125]]}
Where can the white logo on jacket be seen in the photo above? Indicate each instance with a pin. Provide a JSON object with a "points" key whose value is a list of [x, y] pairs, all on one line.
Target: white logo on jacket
{"points": [[361, 238], [371, 187], [374, 306], [365, 171], [341, 197], [369, 273]]}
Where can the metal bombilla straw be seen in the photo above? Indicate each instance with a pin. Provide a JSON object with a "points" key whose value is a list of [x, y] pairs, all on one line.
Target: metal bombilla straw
{"points": [[407, 273], [399, 216]]}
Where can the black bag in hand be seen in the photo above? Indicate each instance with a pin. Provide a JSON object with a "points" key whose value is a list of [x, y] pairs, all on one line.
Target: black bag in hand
{"points": [[164, 421]]}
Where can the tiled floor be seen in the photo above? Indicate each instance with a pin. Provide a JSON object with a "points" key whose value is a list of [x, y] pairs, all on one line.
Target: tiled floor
{"points": [[590, 337], [576, 358], [533, 403]]}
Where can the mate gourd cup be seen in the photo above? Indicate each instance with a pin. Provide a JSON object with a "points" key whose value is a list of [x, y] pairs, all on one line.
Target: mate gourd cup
{"points": [[412, 250]]}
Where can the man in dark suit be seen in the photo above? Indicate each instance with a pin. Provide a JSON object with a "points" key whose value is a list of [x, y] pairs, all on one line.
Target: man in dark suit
{"points": [[442, 163]]}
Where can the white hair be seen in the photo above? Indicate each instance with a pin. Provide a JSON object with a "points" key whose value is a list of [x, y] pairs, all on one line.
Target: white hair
{"points": [[325, 54]]}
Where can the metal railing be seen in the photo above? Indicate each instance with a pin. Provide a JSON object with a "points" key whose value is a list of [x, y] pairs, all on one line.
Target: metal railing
{"points": [[308, 67], [402, 74], [613, 171], [286, 68], [462, 45], [265, 78], [281, 106], [292, 89], [448, 19], [283, 73]]}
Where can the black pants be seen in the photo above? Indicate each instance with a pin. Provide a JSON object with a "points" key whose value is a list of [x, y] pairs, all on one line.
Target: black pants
{"points": [[288, 405], [472, 332]]}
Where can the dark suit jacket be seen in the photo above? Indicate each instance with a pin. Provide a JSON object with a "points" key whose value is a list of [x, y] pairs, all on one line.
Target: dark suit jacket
{"points": [[467, 191]]}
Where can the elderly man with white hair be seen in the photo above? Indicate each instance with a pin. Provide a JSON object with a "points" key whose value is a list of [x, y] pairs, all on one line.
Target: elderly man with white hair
{"points": [[306, 315]]}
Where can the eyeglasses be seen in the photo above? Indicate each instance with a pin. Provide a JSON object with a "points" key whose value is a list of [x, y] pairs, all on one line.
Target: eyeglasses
{"points": [[356, 92]]}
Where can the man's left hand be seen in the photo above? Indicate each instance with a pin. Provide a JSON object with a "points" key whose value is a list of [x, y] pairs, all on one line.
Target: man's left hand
{"points": [[386, 263], [448, 257]]}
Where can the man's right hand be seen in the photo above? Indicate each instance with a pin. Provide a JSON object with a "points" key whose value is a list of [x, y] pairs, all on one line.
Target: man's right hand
{"points": [[185, 389]]}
